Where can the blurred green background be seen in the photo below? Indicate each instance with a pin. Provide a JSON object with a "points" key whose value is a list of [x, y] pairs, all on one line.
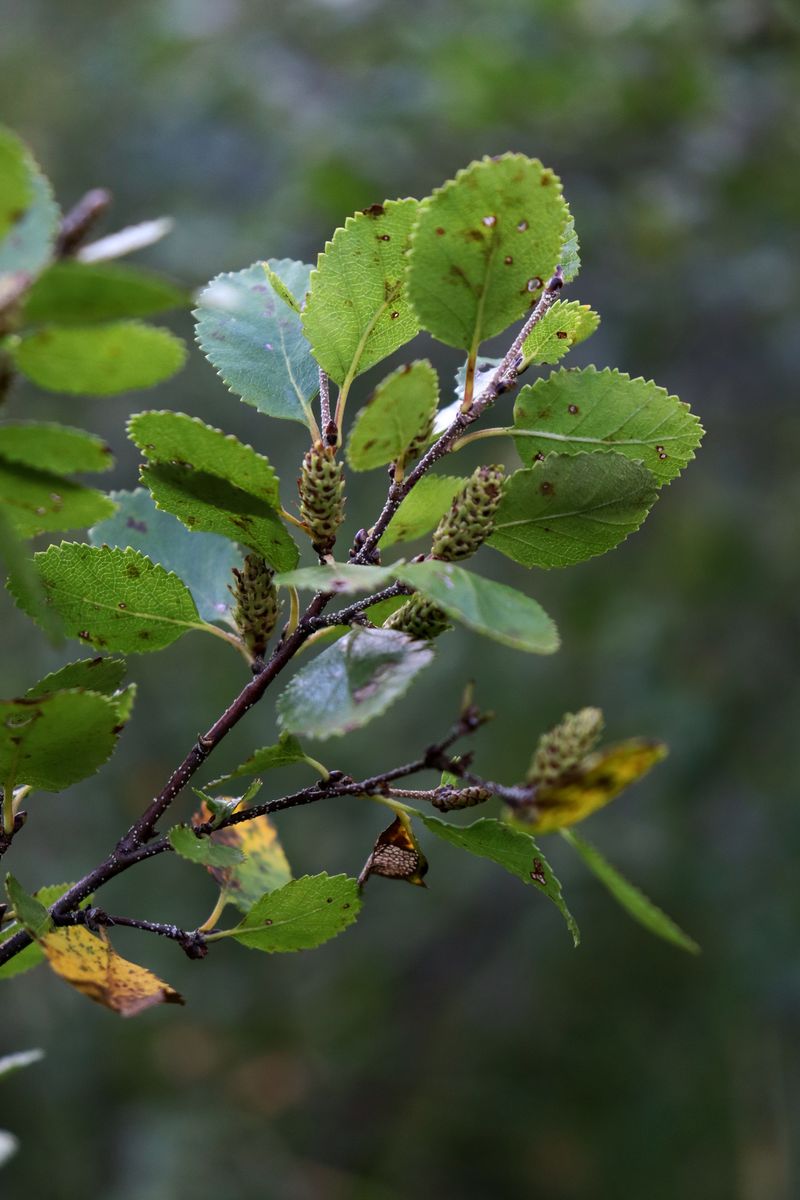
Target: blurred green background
{"points": [[453, 1044]]}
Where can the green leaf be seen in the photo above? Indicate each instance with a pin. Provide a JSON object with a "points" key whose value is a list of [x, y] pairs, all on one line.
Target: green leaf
{"points": [[356, 312], [29, 244], [483, 247], [496, 611], [351, 682], [256, 343], [295, 303], [264, 867], [24, 581], [76, 293], [39, 502], [285, 753], [110, 598], [203, 561], [32, 954], [99, 360], [15, 183], [210, 504], [567, 509], [171, 437], [578, 411], [343, 579], [304, 913], [31, 914], [570, 258], [184, 841], [398, 413], [422, 508], [564, 325], [53, 741], [103, 675], [56, 448], [18, 1061], [635, 903], [517, 852]]}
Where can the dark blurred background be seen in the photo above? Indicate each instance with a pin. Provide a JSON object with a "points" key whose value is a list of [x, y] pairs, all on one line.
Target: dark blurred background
{"points": [[453, 1044]]}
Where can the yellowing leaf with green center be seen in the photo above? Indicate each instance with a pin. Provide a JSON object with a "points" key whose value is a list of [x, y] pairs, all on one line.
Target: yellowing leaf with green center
{"points": [[77, 293], [563, 326], [595, 782], [301, 915], [423, 507], [351, 682], [634, 901], [483, 247], [173, 437], [398, 414], [202, 850], [52, 741], [510, 848], [40, 502], [15, 184], [110, 598], [263, 867], [589, 410], [356, 312], [492, 609], [567, 509], [99, 360], [255, 341], [91, 965], [56, 448]]}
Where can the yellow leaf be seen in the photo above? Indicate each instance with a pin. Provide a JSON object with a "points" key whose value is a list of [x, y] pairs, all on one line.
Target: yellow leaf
{"points": [[265, 866], [598, 779], [91, 965]]}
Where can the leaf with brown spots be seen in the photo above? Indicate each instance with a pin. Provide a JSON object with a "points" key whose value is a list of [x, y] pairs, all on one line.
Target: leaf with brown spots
{"points": [[91, 965]]}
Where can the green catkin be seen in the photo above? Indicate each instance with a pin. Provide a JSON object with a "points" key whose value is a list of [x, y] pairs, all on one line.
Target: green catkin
{"points": [[470, 519], [321, 487], [420, 618], [257, 606], [563, 747]]}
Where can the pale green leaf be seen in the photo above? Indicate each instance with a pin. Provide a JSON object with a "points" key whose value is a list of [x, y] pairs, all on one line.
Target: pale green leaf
{"points": [[356, 312], [210, 504], [343, 579], [76, 293], [285, 753], [517, 852], [398, 413], [423, 508], [172, 437], [635, 903], [570, 259], [493, 609], [578, 411], [202, 850], [203, 561], [56, 448], [117, 600], [351, 682], [567, 509], [28, 245], [53, 741], [483, 247], [102, 675], [255, 341], [99, 360], [40, 502], [304, 913], [15, 182], [563, 326], [300, 277]]}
